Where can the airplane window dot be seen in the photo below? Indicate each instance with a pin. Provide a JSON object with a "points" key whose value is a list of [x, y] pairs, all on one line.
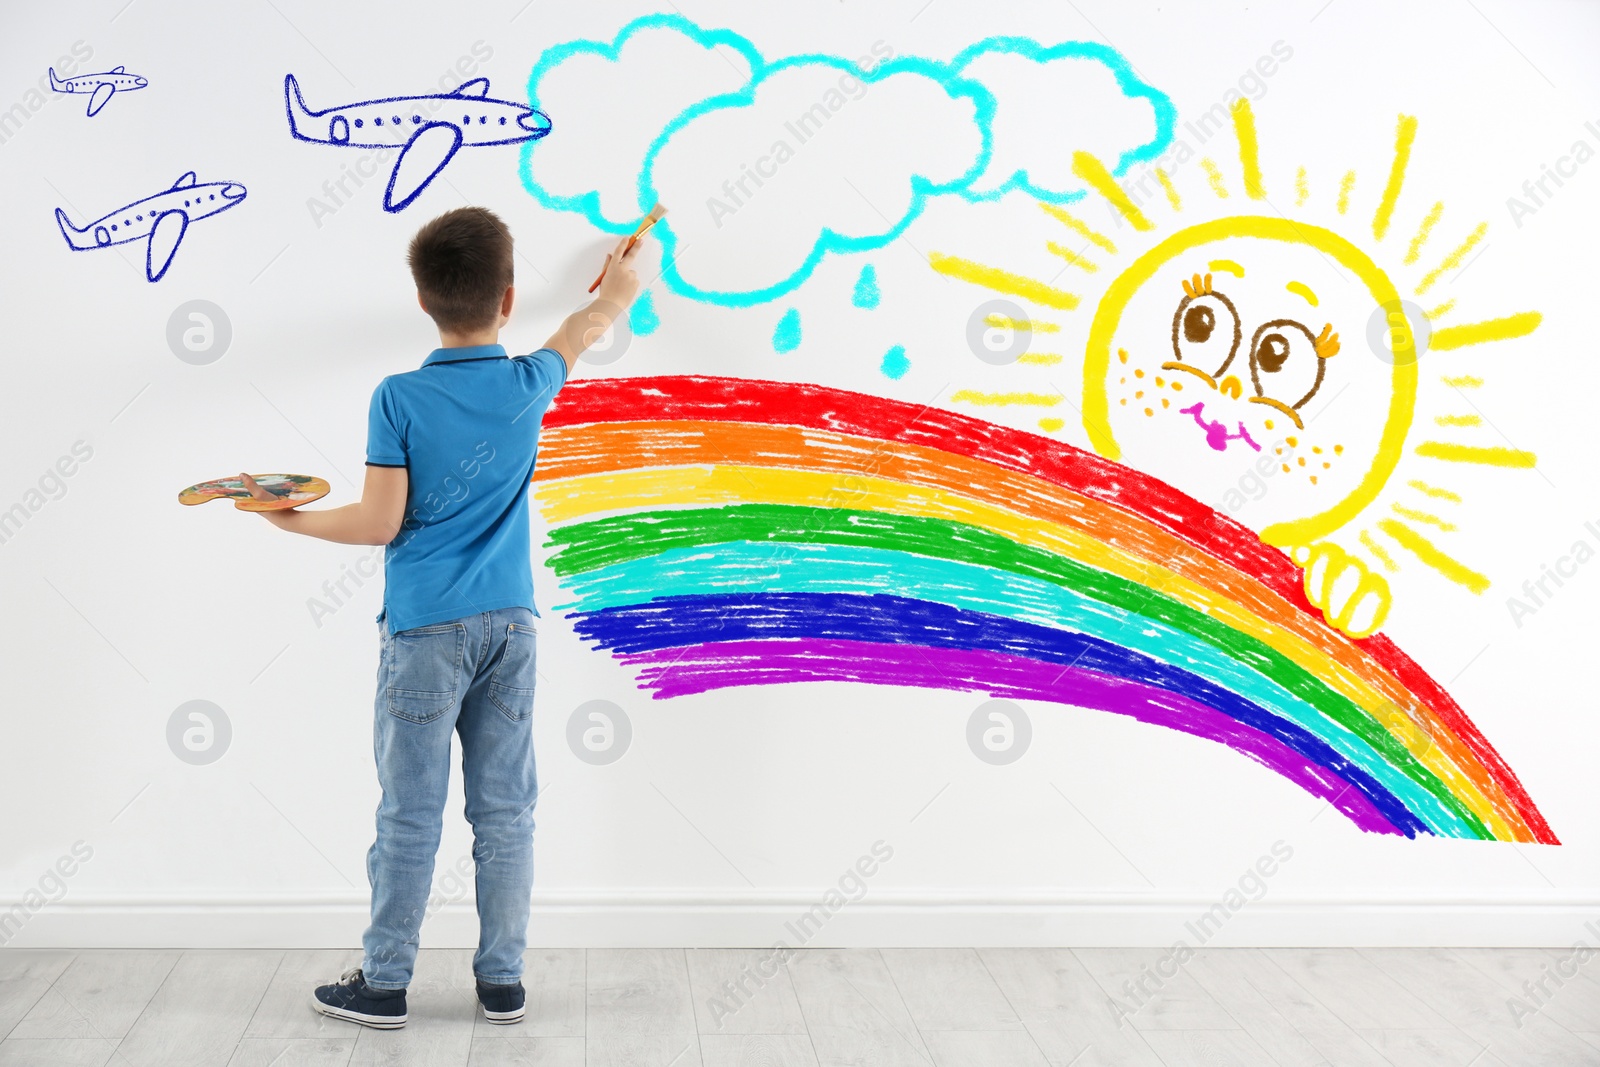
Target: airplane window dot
{"points": [[502, 120], [375, 122], [213, 196], [139, 218], [113, 227], [482, 119], [416, 120], [358, 124], [186, 203], [395, 119]]}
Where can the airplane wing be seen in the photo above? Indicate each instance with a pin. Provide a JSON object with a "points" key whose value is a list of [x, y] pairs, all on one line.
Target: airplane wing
{"points": [[423, 157]]}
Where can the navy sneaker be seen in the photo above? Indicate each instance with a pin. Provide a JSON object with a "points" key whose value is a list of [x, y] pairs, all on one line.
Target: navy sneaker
{"points": [[502, 1003], [352, 999]]}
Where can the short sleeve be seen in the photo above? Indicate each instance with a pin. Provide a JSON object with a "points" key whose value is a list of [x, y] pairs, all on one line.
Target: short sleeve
{"points": [[385, 444], [545, 372]]}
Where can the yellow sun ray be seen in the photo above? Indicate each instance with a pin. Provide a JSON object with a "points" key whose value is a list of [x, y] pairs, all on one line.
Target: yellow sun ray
{"points": [[1434, 491], [1421, 516], [1458, 420], [1494, 456], [1301, 289], [1228, 265], [1169, 189], [1094, 172], [1440, 311], [1078, 226], [1003, 281], [1425, 551], [1006, 322], [998, 400], [1072, 257], [1244, 127], [1453, 260], [1214, 176], [1421, 237], [1405, 133], [1051, 425], [1462, 381], [1045, 359], [1476, 333], [1302, 190], [1346, 183], [1377, 550]]}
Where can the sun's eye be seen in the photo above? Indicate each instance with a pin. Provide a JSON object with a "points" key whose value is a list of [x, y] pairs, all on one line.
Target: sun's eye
{"points": [[1284, 362], [1205, 329]]}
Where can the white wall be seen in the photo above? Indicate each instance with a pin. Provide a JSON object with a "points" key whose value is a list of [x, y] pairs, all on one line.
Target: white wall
{"points": [[732, 813]]}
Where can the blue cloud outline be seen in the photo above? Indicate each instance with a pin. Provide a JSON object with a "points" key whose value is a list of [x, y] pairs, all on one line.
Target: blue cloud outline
{"points": [[588, 204], [1162, 108], [828, 240]]}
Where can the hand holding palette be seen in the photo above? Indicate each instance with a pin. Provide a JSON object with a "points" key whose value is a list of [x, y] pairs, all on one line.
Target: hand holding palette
{"points": [[277, 492]]}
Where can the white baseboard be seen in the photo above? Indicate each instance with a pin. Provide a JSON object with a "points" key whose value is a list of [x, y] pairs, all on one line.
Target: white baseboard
{"points": [[697, 918]]}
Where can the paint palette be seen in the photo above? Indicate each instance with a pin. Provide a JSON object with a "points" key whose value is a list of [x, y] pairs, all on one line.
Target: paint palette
{"points": [[292, 490]]}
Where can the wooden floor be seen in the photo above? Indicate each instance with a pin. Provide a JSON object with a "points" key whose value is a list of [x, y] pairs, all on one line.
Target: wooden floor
{"points": [[885, 1008]]}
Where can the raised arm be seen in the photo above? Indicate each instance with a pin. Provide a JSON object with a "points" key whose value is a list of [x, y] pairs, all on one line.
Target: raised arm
{"points": [[617, 292], [372, 520]]}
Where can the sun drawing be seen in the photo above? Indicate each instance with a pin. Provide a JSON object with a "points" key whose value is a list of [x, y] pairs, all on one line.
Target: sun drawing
{"points": [[1267, 344]]}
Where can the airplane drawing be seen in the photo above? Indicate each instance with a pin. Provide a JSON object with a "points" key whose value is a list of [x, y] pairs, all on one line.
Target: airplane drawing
{"points": [[99, 87], [160, 220], [428, 130]]}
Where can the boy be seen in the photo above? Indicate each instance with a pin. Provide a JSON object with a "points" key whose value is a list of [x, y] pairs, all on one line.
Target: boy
{"points": [[450, 451]]}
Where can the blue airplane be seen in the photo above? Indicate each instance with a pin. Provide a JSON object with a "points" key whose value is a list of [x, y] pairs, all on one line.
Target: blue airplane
{"points": [[100, 87], [427, 129], [161, 220]]}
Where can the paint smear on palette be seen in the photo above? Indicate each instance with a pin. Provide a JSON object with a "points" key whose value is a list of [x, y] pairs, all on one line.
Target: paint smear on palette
{"points": [[895, 364], [642, 317], [866, 293], [927, 549], [786, 337]]}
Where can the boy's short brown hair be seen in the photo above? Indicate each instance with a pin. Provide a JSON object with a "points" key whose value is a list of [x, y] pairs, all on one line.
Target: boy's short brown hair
{"points": [[461, 262]]}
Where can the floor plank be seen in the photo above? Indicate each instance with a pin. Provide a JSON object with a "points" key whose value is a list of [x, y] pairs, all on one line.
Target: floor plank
{"points": [[554, 979], [285, 1010], [1330, 1036], [98, 996], [201, 1010], [1359, 992], [524, 1051], [62, 1052], [1208, 1048], [757, 1050], [293, 1052], [1231, 977], [1159, 993], [1424, 1048], [25, 974], [1534, 977], [984, 1048], [441, 1004], [640, 1009], [743, 991], [1064, 1009], [949, 989], [853, 1010]]}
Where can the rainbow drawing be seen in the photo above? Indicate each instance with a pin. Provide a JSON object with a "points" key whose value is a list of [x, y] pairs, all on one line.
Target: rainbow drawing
{"points": [[721, 532]]}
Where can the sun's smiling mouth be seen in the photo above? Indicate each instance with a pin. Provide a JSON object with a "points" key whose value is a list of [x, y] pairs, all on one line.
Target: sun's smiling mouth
{"points": [[1217, 435]]}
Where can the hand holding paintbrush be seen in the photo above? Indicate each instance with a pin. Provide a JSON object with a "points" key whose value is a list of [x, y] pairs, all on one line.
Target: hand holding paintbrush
{"points": [[655, 216]]}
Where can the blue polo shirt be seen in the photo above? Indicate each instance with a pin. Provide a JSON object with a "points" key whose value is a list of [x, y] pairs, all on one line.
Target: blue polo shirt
{"points": [[465, 425]]}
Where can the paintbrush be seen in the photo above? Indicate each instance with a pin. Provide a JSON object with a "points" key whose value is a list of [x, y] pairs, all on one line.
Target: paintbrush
{"points": [[650, 220]]}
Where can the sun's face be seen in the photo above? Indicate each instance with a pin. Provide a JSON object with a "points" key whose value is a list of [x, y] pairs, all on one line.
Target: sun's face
{"points": [[1212, 359]]}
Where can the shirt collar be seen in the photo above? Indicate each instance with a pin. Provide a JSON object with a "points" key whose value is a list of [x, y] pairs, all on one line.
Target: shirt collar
{"points": [[459, 355]]}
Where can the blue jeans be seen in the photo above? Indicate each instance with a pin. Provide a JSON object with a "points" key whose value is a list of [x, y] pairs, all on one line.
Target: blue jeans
{"points": [[472, 676]]}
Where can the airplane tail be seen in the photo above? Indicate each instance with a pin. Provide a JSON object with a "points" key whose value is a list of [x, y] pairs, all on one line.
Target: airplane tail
{"points": [[56, 83], [294, 106]]}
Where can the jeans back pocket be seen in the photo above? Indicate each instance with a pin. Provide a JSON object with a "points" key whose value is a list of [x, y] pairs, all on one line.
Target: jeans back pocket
{"points": [[425, 670], [511, 684]]}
